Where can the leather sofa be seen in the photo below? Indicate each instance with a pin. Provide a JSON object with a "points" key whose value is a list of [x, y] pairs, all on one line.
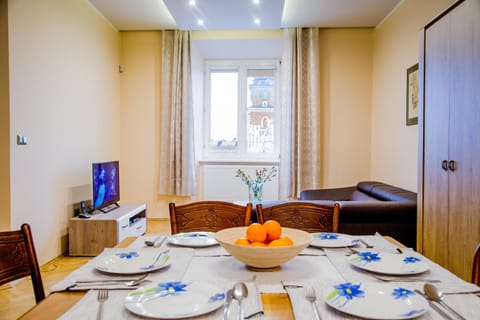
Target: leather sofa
{"points": [[371, 207]]}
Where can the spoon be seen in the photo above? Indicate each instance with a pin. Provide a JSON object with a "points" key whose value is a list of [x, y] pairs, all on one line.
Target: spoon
{"points": [[239, 293], [436, 295], [433, 305]]}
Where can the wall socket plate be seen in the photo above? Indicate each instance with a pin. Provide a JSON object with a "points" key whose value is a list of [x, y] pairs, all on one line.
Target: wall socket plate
{"points": [[21, 140]]}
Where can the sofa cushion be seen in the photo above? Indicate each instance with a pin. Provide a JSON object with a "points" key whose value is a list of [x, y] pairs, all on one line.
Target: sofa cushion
{"points": [[386, 192], [360, 196]]}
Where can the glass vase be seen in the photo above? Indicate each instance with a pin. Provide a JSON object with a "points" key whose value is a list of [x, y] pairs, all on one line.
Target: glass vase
{"points": [[255, 193]]}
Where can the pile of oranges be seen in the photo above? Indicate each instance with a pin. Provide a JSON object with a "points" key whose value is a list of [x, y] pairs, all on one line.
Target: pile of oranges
{"points": [[268, 234]]}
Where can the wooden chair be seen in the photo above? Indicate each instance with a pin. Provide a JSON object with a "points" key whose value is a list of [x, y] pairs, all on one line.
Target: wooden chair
{"points": [[476, 266], [307, 216], [208, 216], [18, 259]]}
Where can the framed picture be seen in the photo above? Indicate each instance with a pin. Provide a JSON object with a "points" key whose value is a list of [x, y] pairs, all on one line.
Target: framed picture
{"points": [[412, 95]]}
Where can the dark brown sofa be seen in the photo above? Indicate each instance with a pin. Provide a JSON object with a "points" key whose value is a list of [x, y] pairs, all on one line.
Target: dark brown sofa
{"points": [[370, 207]]}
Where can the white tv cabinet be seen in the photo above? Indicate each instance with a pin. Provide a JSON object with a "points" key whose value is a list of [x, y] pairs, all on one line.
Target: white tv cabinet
{"points": [[88, 237]]}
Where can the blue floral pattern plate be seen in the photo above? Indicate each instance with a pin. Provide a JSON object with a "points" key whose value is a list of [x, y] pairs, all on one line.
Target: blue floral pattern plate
{"points": [[388, 263], [132, 261], [332, 240], [175, 300], [193, 239], [375, 301]]}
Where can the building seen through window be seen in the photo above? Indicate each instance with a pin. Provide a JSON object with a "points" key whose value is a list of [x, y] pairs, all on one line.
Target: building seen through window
{"points": [[242, 108]]}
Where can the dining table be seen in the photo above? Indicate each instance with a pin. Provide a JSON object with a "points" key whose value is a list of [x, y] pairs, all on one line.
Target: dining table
{"points": [[275, 294]]}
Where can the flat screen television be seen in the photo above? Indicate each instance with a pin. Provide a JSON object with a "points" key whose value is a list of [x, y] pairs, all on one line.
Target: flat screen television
{"points": [[105, 185]]}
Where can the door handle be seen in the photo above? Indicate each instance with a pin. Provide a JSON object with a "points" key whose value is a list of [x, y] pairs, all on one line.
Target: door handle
{"points": [[452, 165], [445, 165]]}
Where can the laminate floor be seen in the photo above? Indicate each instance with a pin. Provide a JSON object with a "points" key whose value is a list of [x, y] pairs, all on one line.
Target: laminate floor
{"points": [[17, 297]]}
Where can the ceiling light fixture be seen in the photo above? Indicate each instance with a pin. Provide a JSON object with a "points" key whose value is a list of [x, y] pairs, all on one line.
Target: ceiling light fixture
{"points": [[200, 22], [256, 21], [192, 3], [256, 2]]}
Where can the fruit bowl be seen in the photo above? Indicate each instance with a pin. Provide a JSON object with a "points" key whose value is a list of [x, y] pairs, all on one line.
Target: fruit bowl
{"points": [[263, 257]]}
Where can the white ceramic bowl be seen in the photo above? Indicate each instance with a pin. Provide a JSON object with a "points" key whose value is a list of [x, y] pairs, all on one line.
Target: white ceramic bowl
{"points": [[263, 257]]}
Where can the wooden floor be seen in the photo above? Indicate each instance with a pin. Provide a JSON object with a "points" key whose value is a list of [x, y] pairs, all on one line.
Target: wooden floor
{"points": [[17, 297]]}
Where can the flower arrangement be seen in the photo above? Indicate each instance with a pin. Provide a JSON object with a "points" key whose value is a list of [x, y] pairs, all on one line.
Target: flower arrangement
{"points": [[255, 185]]}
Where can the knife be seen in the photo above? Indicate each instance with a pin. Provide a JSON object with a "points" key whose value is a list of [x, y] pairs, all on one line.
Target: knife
{"points": [[228, 300]]}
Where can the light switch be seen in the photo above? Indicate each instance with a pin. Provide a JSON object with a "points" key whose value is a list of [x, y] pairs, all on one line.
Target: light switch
{"points": [[21, 140]]}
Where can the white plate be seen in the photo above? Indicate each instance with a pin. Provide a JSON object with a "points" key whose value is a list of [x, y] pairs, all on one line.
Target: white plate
{"points": [[375, 301], [133, 261], [193, 239], [175, 300], [332, 240], [388, 263]]}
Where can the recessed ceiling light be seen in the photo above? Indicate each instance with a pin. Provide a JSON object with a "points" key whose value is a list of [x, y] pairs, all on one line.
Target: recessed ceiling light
{"points": [[200, 22], [192, 3], [256, 1], [256, 21]]}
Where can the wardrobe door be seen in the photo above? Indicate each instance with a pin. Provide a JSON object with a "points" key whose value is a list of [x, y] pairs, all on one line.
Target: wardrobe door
{"points": [[464, 137], [450, 209], [436, 132]]}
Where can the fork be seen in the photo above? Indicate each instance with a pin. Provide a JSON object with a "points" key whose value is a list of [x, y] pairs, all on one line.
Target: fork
{"points": [[311, 296], [101, 298]]}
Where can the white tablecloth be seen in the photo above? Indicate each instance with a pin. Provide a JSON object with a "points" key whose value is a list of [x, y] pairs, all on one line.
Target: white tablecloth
{"points": [[313, 266]]}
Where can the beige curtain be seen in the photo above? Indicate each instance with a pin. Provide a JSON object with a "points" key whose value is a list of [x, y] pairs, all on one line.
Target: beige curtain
{"points": [[300, 150], [177, 160]]}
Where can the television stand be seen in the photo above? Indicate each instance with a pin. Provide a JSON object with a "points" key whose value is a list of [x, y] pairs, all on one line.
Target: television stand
{"points": [[109, 208], [88, 237]]}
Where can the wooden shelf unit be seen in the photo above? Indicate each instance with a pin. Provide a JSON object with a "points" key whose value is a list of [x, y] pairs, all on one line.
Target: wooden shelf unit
{"points": [[88, 237]]}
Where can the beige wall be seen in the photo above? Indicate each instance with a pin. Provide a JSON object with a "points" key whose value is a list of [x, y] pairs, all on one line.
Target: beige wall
{"points": [[4, 121], [64, 97], [394, 145], [140, 101], [346, 73]]}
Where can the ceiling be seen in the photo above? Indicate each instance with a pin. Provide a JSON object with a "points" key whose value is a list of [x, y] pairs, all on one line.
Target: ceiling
{"points": [[239, 14]]}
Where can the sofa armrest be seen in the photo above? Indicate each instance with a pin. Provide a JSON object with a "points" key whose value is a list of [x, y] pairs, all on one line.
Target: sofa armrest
{"points": [[389, 218], [336, 194]]}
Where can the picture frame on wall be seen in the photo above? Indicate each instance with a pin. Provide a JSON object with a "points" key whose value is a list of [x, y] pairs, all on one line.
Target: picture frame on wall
{"points": [[412, 95]]}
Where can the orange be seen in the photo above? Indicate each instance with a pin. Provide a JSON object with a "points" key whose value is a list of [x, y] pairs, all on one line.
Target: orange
{"points": [[258, 244], [274, 230], [256, 233], [282, 242], [242, 242]]}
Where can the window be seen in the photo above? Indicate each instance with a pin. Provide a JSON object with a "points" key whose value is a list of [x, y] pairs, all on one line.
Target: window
{"points": [[242, 110]]}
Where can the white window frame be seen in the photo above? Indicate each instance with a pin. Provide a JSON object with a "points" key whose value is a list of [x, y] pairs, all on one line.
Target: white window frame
{"points": [[241, 155]]}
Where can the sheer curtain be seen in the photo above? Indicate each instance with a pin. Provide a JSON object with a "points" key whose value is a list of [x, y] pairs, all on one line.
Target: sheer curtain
{"points": [[300, 150], [177, 158]]}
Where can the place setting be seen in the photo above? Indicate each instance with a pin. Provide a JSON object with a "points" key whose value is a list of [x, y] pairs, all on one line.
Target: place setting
{"points": [[127, 269], [202, 300]]}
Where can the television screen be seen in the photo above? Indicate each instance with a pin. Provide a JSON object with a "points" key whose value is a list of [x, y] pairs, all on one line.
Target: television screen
{"points": [[106, 184]]}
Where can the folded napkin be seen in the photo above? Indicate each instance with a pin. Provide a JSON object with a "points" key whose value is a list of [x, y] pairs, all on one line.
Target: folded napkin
{"points": [[180, 259], [114, 308], [467, 304]]}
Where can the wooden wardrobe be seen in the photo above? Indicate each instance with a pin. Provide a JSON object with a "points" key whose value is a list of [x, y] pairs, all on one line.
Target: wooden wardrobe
{"points": [[449, 144]]}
